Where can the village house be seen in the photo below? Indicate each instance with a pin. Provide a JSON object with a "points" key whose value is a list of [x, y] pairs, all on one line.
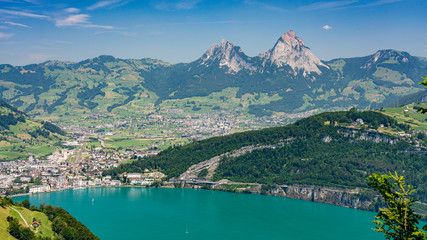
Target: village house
{"points": [[35, 224], [39, 189]]}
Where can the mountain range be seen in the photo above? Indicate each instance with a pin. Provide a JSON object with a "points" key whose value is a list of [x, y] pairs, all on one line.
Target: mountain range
{"points": [[289, 77]]}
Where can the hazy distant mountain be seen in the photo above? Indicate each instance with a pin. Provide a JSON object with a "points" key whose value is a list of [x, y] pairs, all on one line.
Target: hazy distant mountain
{"points": [[289, 75]]}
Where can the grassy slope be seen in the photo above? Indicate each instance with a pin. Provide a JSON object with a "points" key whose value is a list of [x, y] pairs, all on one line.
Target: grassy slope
{"points": [[416, 120], [45, 229], [4, 212], [16, 142]]}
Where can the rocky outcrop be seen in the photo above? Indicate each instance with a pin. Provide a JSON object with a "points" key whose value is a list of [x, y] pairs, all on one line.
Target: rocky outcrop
{"points": [[291, 51], [227, 55], [351, 198]]}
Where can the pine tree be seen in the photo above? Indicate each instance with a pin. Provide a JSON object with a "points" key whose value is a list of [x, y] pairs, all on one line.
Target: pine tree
{"points": [[397, 221]]}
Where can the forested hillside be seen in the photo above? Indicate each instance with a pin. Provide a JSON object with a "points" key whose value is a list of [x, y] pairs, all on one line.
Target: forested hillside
{"points": [[329, 149]]}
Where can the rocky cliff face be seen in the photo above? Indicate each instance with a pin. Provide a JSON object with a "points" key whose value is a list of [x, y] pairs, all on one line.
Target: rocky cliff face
{"points": [[335, 196], [226, 54], [291, 51]]}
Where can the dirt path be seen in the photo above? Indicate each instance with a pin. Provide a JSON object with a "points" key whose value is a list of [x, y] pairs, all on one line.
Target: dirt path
{"points": [[20, 215]]}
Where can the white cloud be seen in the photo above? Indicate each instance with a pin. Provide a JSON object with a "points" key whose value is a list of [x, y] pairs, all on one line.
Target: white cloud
{"points": [[17, 24], [23, 14], [188, 4], [78, 20], [380, 2], [344, 4], [5, 35], [327, 27], [327, 5], [107, 3], [72, 20], [176, 5], [72, 10], [265, 6], [31, 1]]}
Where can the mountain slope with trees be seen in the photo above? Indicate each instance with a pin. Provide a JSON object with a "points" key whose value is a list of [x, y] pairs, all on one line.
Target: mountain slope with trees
{"points": [[20, 134], [330, 149]]}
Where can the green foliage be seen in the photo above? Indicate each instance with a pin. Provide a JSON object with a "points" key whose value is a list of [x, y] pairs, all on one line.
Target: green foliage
{"points": [[66, 225], [203, 173], [38, 181], [26, 203], [19, 232], [337, 163], [58, 224], [424, 83], [87, 94], [53, 128], [39, 133], [397, 220]]}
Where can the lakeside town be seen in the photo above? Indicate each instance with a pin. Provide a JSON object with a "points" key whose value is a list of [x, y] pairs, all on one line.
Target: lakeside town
{"points": [[79, 164], [57, 172]]}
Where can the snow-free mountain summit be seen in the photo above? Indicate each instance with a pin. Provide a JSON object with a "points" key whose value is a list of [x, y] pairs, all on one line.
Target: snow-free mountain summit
{"points": [[289, 51]]}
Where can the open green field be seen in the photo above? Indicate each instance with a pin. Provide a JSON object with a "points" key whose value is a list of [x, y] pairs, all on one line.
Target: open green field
{"points": [[409, 115], [142, 143], [42, 150], [19, 151], [8, 155]]}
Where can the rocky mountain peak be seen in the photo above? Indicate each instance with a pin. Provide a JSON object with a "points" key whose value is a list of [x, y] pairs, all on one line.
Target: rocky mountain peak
{"points": [[292, 39], [226, 54], [290, 51]]}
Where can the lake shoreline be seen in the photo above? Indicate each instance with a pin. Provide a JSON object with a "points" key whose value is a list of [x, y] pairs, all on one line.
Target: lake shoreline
{"points": [[299, 192]]}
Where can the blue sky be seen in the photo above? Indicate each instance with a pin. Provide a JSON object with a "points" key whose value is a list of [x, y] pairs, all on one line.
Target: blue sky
{"points": [[33, 31]]}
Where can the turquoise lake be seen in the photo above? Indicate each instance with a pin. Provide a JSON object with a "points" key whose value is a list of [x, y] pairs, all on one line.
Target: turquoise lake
{"points": [[152, 213]]}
